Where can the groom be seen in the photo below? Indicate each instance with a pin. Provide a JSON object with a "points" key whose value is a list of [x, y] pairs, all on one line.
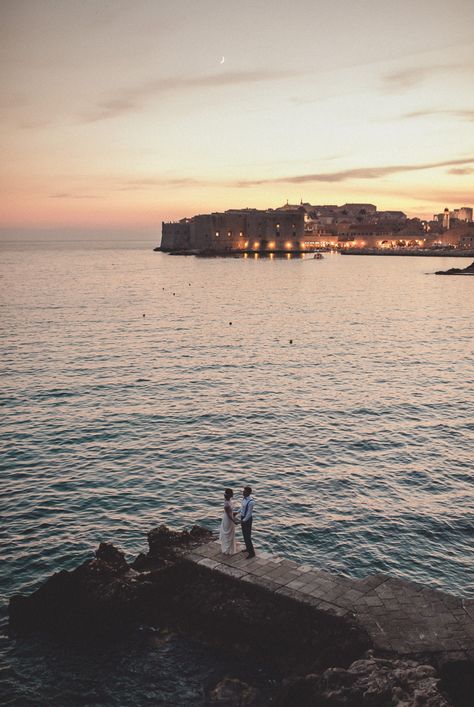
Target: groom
{"points": [[246, 512]]}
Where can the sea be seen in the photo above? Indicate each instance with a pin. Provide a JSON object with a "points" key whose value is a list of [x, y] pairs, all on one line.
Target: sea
{"points": [[137, 386]]}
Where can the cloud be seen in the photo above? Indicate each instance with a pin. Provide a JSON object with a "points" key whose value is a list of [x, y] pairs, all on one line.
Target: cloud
{"points": [[463, 114], [133, 98], [164, 181], [66, 195], [404, 79], [357, 173], [461, 170]]}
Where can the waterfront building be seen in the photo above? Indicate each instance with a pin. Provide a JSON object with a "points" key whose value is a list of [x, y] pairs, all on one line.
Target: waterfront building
{"points": [[463, 214], [237, 230], [303, 227]]}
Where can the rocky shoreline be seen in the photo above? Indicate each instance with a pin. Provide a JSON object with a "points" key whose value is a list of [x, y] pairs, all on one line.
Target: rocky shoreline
{"points": [[458, 271], [317, 658]]}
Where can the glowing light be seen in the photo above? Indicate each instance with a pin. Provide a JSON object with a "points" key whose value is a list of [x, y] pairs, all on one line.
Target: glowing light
{"points": [[256, 244], [271, 245], [217, 234], [272, 255], [246, 244], [288, 244]]}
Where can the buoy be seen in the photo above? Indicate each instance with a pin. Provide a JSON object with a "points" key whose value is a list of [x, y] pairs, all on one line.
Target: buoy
{"points": [[291, 341], [174, 294], [230, 323], [143, 315]]}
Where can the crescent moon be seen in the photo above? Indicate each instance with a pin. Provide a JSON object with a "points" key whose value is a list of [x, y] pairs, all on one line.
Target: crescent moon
{"points": [[222, 60]]}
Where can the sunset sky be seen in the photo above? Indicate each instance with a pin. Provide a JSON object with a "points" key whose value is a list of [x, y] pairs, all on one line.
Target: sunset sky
{"points": [[117, 115]]}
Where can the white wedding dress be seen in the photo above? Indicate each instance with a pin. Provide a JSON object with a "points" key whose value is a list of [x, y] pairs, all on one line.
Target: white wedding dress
{"points": [[227, 532]]}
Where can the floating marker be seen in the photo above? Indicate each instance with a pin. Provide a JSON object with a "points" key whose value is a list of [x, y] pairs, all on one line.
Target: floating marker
{"points": [[291, 341]]}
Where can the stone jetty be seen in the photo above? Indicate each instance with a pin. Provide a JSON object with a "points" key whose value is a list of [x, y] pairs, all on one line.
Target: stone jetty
{"points": [[324, 639], [399, 616]]}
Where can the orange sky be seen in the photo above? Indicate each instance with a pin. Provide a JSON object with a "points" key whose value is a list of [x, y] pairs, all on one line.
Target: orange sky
{"points": [[117, 115]]}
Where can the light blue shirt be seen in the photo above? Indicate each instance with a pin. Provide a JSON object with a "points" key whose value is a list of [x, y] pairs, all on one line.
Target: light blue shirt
{"points": [[246, 509]]}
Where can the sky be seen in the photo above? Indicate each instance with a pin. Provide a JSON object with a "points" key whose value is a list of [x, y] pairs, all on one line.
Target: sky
{"points": [[116, 115]]}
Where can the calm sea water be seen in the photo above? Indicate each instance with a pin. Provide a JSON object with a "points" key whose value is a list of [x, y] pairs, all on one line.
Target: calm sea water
{"points": [[130, 400]]}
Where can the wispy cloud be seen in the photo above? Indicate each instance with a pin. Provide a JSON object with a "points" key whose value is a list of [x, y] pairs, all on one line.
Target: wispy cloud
{"points": [[404, 79], [67, 195], [461, 170], [462, 114], [133, 98], [357, 173]]}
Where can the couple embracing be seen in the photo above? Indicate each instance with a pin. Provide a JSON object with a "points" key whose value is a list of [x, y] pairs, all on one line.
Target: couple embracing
{"points": [[230, 520]]}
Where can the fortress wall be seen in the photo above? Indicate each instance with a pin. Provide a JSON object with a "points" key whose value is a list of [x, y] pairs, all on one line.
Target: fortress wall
{"points": [[235, 230]]}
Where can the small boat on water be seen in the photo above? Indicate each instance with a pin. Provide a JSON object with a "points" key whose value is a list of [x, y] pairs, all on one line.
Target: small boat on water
{"points": [[318, 256]]}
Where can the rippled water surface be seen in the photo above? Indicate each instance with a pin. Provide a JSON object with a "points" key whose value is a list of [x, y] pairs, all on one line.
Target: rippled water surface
{"points": [[136, 386]]}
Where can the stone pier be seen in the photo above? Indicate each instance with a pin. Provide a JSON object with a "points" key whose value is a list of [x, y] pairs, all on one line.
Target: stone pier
{"points": [[400, 616]]}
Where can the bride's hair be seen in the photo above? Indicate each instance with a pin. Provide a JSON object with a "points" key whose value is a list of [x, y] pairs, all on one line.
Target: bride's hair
{"points": [[228, 492]]}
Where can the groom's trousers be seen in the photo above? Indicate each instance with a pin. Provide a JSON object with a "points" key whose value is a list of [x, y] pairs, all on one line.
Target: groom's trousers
{"points": [[247, 533]]}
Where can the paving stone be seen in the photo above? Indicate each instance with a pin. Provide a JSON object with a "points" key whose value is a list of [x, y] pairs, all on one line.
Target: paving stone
{"points": [[375, 580], [331, 608], [291, 564], [295, 584], [192, 557], [291, 593], [230, 571], [305, 568], [352, 595], [208, 562]]}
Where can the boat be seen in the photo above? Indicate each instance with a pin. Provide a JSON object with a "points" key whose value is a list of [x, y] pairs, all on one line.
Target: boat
{"points": [[318, 256]]}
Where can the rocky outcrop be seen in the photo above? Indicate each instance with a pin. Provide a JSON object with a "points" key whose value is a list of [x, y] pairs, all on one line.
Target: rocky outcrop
{"points": [[458, 271], [104, 594], [369, 682]]}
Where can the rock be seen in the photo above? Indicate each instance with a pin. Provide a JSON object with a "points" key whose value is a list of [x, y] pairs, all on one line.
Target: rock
{"points": [[111, 558], [231, 692], [163, 541], [369, 682], [458, 271]]}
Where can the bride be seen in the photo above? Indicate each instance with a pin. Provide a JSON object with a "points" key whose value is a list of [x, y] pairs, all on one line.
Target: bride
{"points": [[227, 529]]}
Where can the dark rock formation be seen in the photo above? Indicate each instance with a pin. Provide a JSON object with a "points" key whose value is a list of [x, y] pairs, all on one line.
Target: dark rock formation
{"points": [[369, 682], [458, 271]]}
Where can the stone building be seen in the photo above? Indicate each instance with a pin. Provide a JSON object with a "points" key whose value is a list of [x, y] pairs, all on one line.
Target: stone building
{"points": [[237, 230]]}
